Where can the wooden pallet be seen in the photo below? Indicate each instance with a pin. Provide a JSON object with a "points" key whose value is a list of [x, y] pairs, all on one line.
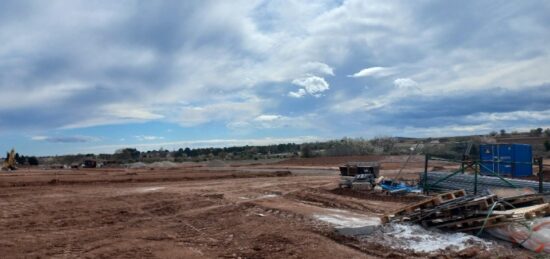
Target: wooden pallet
{"points": [[479, 203], [460, 210], [452, 210], [428, 204], [525, 200], [449, 196], [473, 223]]}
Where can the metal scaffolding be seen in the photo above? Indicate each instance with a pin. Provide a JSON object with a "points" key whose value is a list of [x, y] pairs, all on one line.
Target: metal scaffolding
{"points": [[474, 183]]}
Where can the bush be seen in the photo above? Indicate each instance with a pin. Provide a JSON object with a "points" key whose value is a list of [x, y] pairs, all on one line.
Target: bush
{"points": [[306, 151], [32, 160]]}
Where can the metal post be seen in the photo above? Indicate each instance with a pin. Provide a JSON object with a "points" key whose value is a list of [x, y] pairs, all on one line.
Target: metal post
{"points": [[475, 178], [541, 175], [462, 164], [425, 187]]}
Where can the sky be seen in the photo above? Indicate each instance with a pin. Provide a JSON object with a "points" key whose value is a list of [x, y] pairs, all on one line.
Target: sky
{"points": [[96, 76]]}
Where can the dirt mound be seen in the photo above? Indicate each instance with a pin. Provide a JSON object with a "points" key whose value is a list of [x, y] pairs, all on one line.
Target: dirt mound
{"points": [[163, 164], [129, 176], [371, 195], [336, 200], [136, 165]]}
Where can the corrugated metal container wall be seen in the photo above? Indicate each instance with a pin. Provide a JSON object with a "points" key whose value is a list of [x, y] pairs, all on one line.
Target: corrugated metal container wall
{"points": [[506, 159]]}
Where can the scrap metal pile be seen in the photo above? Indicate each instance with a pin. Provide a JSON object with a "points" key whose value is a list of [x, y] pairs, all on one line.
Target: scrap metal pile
{"points": [[458, 211]]}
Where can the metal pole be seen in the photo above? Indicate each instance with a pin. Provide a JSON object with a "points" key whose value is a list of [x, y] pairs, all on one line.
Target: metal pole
{"points": [[541, 175], [475, 178], [425, 187], [462, 164]]}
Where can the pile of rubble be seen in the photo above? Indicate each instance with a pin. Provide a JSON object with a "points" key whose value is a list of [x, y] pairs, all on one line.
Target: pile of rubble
{"points": [[458, 211], [505, 214]]}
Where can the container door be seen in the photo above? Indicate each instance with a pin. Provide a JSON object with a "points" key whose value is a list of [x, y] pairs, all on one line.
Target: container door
{"points": [[486, 154], [523, 158], [504, 157]]}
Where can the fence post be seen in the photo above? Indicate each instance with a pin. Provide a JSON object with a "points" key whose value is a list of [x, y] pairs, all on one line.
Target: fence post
{"points": [[425, 187], [475, 178], [462, 164], [541, 175]]}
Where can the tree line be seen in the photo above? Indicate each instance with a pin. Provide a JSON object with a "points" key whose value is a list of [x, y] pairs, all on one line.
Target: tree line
{"points": [[24, 160], [450, 147]]}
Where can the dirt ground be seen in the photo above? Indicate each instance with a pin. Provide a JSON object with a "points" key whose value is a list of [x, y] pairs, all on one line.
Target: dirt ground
{"points": [[263, 211]]}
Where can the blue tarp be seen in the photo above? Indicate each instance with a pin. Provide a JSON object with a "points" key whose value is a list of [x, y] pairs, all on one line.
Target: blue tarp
{"points": [[400, 187]]}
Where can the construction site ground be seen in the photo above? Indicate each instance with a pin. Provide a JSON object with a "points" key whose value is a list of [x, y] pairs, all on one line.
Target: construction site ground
{"points": [[286, 209]]}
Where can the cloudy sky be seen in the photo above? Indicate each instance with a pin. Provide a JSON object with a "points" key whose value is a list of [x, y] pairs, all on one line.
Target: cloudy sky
{"points": [[94, 76]]}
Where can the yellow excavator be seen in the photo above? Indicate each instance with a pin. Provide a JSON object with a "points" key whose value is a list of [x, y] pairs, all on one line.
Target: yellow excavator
{"points": [[9, 163]]}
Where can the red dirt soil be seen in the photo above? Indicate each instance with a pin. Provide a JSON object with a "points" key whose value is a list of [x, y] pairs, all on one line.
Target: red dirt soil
{"points": [[182, 213]]}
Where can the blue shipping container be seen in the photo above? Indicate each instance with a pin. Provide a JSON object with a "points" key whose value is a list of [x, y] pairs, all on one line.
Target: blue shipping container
{"points": [[506, 159]]}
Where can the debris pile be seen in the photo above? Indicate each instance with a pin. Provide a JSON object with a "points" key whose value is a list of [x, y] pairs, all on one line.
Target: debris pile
{"points": [[535, 235], [457, 211], [392, 186]]}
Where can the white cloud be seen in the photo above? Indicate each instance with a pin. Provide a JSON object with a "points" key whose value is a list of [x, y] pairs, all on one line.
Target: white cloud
{"points": [[224, 111], [273, 121], [374, 72], [267, 117], [298, 94], [148, 138], [540, 116], [318, 68], [114, 114], [125, 111], [448, 130], [312, 85], [65, 139], [405, 83], [403, 88], [19, 97]]}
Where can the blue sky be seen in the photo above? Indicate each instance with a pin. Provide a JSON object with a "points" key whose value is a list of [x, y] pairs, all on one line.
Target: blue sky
{"points": [[96, 76]]}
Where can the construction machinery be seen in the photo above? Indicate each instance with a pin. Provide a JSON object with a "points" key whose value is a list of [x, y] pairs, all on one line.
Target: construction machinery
{"points": [[88, 163], [10, 162], [359, 175]]}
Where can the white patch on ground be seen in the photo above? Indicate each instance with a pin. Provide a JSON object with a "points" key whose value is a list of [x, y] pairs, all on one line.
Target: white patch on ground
{"points": [[346, 219], [418, 239], [268, 196], [150, 189]]}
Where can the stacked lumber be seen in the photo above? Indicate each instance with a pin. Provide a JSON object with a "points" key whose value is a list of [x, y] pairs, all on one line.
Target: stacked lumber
{"points": [[457, 211]]}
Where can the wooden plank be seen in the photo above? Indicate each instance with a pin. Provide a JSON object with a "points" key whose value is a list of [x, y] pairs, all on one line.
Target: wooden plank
{"points": [[538, 207], [530, 200], [511, 192], [471, 221]]}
